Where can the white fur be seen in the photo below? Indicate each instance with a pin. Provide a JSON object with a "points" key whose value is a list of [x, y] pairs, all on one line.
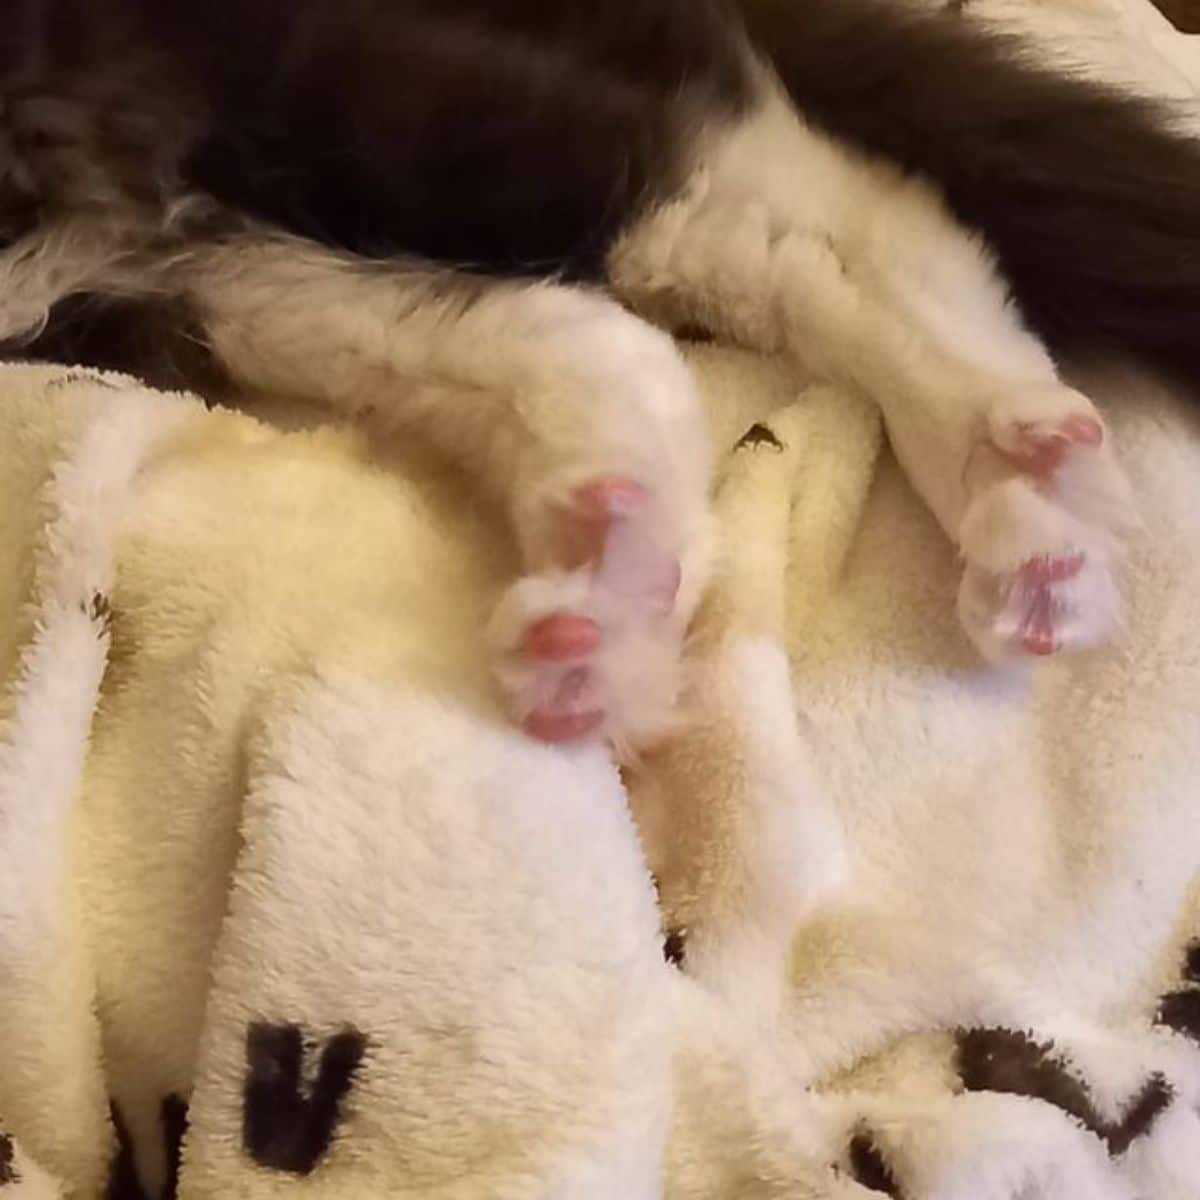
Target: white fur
{"points": [[538, 389], [102, 247], [783, 240], [42, 268], [1035, 833], [786, 241]]}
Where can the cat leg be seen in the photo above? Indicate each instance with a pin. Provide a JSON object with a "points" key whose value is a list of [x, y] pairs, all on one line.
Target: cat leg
{"points": [[579, 419], [787, 242]]}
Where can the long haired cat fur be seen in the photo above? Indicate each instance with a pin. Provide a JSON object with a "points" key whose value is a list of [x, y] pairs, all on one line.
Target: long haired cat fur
{"points": [[444, 215]]}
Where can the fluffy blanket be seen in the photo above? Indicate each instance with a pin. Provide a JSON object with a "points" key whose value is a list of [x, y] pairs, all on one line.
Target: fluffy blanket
{"points": [[288, 909]]}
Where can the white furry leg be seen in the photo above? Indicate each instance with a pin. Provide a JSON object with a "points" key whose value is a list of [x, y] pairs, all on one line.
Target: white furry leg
{"points": [[787, 242], [1040, 531], [580, 419], [596, 647]]}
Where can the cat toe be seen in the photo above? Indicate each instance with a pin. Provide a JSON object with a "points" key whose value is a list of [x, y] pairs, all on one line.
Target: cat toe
{"points": [[591, 651]]}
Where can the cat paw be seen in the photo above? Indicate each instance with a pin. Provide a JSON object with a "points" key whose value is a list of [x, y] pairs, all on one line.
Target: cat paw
{"points": [[1042, 445], [1041, 532], [591, 648]]}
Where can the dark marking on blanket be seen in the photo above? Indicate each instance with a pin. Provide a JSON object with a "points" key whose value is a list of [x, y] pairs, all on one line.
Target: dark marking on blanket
{"points": [[75, 378], [1183, 14], [694, 333], [8, 1171], [173, 1115], [1180, 1011], [869, 1167], [675, 947], [123, 1182], [99, 612], [759, 435], [287, 1122], [1149, 1104], [1191, 966], [1003, 1060]]}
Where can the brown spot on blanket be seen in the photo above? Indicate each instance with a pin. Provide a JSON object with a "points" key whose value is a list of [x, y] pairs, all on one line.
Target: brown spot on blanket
{"points": [[1003, 1060]]}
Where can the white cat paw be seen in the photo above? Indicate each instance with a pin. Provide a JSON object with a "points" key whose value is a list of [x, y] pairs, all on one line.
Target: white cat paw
{"points": [[592, 649], [1041, 533]]}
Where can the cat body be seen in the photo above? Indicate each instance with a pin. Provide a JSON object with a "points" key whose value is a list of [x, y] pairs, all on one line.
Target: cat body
{"points": [[453, 219]]}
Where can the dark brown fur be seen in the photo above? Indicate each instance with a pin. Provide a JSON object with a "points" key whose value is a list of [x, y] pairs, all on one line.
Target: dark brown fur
{"points": [[519, 136], [514, 136], [158, 336], [1091, 203]]}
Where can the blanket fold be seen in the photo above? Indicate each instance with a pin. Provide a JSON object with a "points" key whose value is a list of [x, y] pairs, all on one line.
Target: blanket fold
{"points": [[288, 909], [297, 901]]}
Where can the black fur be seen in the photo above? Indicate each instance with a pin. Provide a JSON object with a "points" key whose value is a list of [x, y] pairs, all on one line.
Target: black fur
{"points": [[157, 338], [519, 136], [1091, 204], [504, 135]]}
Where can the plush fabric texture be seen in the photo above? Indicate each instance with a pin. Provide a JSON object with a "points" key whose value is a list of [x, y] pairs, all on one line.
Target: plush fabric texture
{"points": [[288, 909]]}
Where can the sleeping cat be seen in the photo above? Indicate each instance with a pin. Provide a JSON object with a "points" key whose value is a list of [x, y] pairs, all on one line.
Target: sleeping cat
{"points": [[454, 217]]}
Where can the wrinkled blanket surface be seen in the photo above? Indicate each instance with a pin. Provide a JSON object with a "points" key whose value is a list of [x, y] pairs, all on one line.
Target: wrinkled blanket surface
{"points": [[287, 908]]}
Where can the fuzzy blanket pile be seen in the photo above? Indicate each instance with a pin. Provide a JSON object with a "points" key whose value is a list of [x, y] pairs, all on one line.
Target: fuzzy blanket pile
{"points": [[288, 909]]}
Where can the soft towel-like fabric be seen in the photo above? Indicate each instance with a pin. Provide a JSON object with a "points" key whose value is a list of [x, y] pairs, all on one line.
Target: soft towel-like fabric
{"points": [[309, 879], [274, 868]]}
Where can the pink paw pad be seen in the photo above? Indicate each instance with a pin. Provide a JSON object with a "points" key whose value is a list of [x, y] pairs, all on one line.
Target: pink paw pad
{"points": [[562, 637], [1041, 450], [597, 504], [612, 530], [568, 716], [616, 525], [1039, 633]]}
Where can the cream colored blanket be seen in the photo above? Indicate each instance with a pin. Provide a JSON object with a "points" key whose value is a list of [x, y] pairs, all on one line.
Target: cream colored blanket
{"points": [[288, 909]]}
